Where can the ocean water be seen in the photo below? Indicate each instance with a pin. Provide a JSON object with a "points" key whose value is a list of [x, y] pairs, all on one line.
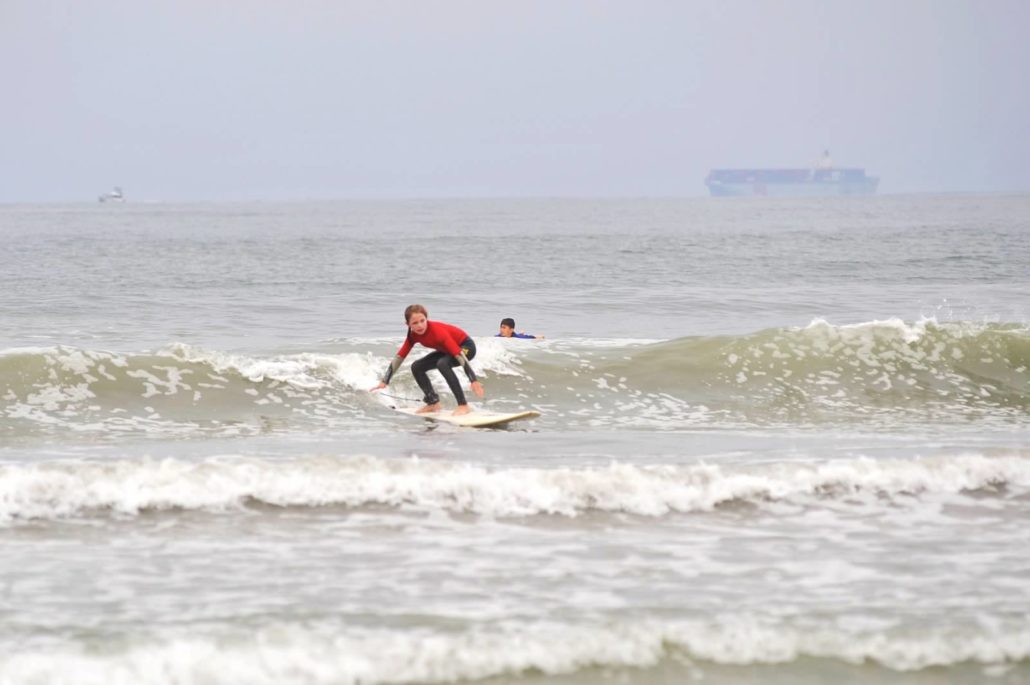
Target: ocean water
{"points": [[781, 441]]}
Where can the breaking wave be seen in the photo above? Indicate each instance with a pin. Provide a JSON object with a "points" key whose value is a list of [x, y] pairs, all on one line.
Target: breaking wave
{"points": [[882, 372], [327, 652], [181, 388], [60, 489]]}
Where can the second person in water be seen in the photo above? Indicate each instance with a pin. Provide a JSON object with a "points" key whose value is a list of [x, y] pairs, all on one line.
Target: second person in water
{"points": [[508, 331], [452, 347]]}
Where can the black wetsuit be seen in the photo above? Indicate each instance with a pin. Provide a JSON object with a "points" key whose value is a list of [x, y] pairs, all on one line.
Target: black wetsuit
{"points": [[445, 364], [448, 352]]}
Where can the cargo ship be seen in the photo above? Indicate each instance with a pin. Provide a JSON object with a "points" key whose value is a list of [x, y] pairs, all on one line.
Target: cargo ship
{"points": [[114, 196], [823, 179]]}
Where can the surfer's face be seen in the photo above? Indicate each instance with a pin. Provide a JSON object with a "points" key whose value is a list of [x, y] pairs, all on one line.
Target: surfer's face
{"points": [[418, 323], [506, 331]]}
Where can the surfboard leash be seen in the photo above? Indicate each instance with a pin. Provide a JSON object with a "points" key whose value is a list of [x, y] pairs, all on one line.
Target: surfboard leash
{"points": [[397, 397]]}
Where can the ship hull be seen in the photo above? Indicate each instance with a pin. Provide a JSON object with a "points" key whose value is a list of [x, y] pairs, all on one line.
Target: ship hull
{"points": [[790, 182]]}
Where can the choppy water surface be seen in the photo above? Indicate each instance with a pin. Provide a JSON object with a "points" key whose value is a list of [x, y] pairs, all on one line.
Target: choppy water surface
{"points": [[780, 440]]}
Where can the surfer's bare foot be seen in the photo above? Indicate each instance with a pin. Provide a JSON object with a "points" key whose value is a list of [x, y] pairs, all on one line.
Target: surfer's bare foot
{"points": [[428, 409], [462, 409]]}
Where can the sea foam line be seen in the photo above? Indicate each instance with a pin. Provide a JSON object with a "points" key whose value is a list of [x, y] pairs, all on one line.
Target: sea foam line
{"points": [[68, 488], [328, 653]]}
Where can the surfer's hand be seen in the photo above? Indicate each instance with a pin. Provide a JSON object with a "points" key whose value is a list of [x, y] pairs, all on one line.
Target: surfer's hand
{"points": [[378, 387], [477, 388]]}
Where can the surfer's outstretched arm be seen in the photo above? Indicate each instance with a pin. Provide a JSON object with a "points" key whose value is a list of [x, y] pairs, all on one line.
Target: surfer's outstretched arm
{"points": [[390, 370], [463, 361]]}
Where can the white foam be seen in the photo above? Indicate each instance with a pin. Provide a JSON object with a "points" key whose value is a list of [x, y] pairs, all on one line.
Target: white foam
{"points": [[895, 329], [497, 356], [69, 488], [309, 371], [316, 371], [908, 332], [27, 351], [317, 653]]}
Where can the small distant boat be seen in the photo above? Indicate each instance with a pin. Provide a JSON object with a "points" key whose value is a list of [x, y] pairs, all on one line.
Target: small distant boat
{"points": [[820, 180], [114, 196]]}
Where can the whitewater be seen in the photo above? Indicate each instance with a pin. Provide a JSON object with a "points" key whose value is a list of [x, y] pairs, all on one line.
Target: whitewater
{"points": [[780, 440]]}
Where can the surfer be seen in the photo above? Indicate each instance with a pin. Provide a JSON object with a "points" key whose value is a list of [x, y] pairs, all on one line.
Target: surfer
{"points": [[452, 347], [508, 331]]}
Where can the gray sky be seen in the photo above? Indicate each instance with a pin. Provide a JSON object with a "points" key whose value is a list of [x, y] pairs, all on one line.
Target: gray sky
{"points": [[280, 100]]}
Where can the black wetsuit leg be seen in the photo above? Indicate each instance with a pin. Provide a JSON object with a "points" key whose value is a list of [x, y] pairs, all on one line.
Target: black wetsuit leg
{"points": [[420, 370], [444, 363]]}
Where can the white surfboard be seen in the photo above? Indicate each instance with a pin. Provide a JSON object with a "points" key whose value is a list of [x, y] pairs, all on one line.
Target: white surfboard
{"points": [[477, 418]]}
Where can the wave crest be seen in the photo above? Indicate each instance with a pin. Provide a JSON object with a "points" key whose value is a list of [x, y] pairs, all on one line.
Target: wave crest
{"points": [[885, 371], [323, 652], [71, 488], [889, 373]]}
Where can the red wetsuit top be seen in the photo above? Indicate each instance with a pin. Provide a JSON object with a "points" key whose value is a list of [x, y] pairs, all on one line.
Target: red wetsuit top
{"points": [[439, 336]]}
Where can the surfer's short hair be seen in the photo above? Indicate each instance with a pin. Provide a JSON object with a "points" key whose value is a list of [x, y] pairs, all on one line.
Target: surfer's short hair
{"points": [[413, 309], [510, 323]]}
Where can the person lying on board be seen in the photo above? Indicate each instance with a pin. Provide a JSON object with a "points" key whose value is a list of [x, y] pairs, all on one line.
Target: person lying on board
{"points": [[508, 331], [452, 347]]}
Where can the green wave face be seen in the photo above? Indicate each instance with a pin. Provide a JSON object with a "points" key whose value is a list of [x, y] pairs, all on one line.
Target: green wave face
{"points": [[880, 371], [879, 374]]}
